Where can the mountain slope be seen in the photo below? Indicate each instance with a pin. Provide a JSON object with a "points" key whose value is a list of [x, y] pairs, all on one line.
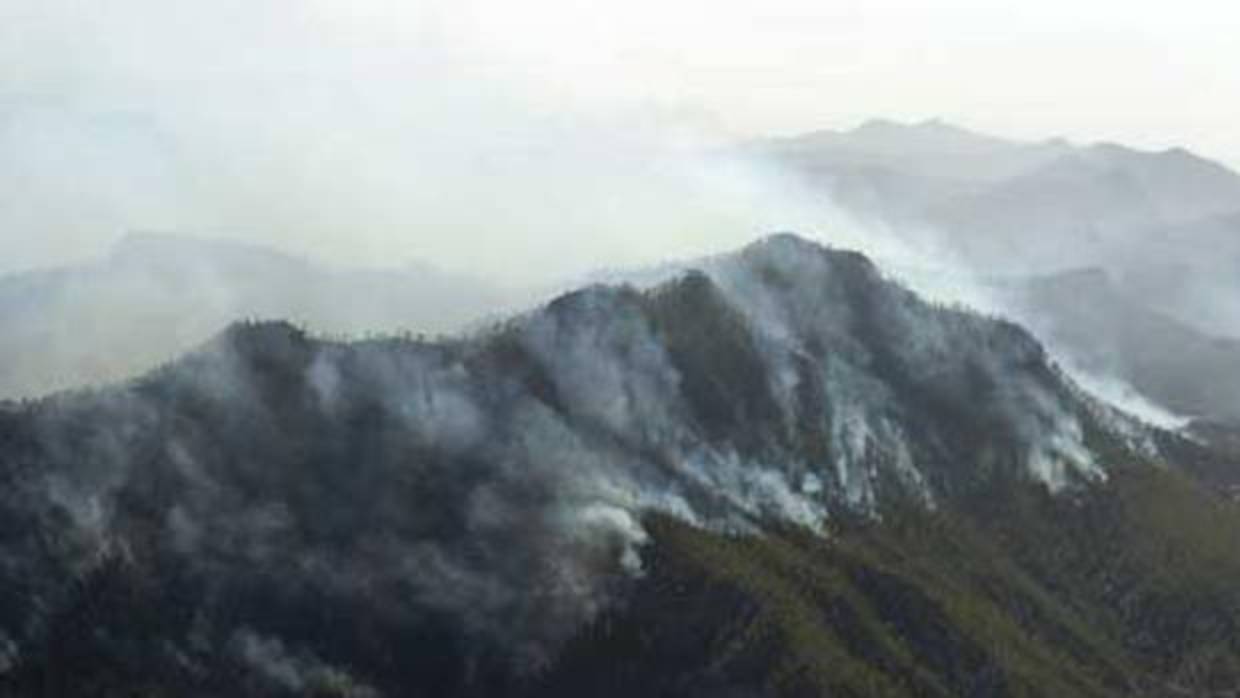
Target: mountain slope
{"points": [[782, 474], [1121, 591]]}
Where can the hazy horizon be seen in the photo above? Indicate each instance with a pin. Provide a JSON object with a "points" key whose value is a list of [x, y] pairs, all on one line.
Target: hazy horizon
{"points": [[535, 142]]}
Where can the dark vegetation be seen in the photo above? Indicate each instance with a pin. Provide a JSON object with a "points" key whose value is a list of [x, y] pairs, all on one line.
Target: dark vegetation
{"points": [[271, 516], [1119, 591], [1123, 590]]}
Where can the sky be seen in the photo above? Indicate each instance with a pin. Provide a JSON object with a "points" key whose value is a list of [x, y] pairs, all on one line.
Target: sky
{"points": [[522, 140]]}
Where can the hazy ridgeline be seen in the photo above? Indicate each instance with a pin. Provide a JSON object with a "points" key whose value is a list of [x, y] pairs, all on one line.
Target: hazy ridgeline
{"points": [[938, 206]]}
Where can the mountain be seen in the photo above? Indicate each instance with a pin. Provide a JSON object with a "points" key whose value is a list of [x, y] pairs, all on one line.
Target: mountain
{"points": [[1085, 205], [1164, 227], [1051, 199], [777, 474], [931, 150], [157, 296], [1062, 205], [1116, 343]]}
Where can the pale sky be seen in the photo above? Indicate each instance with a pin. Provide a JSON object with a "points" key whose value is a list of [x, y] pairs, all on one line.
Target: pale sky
{"points": [[509, 137]]}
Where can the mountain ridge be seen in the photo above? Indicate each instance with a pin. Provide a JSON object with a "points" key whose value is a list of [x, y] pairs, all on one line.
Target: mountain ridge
{"points": [[276, 514]]}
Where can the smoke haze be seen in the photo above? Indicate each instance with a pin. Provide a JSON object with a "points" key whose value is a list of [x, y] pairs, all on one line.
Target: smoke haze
{"points": [[520, 143]]}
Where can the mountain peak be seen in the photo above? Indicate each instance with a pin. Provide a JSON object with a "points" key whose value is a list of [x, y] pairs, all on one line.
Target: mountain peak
{"points": [[785, 240], [933, 128], [882, 124], [788, 252]]}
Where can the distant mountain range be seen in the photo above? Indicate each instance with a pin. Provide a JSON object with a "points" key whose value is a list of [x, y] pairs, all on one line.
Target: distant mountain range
{"points": [[775, 474], [1165, 224], [157, 296], [1163, 227]]}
